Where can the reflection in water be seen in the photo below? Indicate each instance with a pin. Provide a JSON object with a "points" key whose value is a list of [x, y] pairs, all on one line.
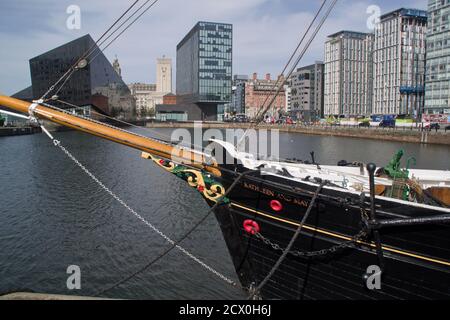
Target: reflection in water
{"points": [[54, 216]]}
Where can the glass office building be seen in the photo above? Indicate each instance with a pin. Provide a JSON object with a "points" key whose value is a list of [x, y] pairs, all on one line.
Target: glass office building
{"points": [[204, 67], [437, 94]]}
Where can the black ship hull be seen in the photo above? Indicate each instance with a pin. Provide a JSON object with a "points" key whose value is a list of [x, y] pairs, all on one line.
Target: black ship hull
{"points": [[415, 258]]}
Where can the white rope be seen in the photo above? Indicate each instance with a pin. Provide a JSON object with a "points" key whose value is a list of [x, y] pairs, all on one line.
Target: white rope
{"points": [[14, 114], [58, 144]]}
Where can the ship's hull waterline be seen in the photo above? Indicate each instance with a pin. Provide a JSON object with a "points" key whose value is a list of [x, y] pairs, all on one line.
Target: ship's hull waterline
{"points": [[415, 257]]}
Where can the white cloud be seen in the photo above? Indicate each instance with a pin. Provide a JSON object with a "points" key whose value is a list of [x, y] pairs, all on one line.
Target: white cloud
{"points": [[265, 31]]}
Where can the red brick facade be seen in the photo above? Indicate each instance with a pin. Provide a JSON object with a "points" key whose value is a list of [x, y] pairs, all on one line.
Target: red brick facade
{"points": [[170, 99], [258, 92]]}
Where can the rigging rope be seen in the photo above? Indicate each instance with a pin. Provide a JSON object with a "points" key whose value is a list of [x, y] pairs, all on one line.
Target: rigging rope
{"points": [[85, 55], [260, 118], [97, 44], [166, 252], [126, 28], [295, 51], [291, 243], [112, 118], [72, 69], [100, 123], [174, 244], [162, 137]]}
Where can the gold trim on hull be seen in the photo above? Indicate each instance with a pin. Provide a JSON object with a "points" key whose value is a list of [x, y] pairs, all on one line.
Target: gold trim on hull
{"points": [[345, 238]]}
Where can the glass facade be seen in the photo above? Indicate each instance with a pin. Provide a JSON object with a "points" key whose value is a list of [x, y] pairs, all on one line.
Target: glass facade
{"points": [[437, 94], [204, 64], [238, 95], [97, 84], [215, 62], [172, 116]]}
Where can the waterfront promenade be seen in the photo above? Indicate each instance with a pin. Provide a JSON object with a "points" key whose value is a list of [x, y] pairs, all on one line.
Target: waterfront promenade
{"points": [[397, 134], [18, 131]]}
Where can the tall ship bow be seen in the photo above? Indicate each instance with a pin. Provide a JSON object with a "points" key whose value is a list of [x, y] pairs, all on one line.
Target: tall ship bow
{"points": [[300, 230]]}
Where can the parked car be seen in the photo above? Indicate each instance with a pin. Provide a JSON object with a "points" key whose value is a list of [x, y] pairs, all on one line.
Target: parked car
{"points": [[364, 124], [435, 126], [431, 126], [241, 118], [387, 123], [285, 120]]}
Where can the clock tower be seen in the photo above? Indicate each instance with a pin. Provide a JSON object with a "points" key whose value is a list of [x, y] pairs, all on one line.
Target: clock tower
{"points": [[164, 75]]}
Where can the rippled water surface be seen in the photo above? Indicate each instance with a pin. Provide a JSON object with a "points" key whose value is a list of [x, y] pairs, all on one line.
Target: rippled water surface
{"points": [[53, 215]]}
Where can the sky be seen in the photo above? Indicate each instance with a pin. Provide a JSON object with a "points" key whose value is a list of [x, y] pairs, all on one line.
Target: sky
{"points": [[265, 31]]}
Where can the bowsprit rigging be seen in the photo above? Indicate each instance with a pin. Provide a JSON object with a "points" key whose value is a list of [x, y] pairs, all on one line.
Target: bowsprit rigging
{"points": [[96, 49], [299, 230]]}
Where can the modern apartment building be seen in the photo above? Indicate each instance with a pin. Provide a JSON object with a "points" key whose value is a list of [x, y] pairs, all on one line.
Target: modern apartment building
{"points": [[399, 63], [238, 98], [306, 86], [437, 94], [348, 74]]}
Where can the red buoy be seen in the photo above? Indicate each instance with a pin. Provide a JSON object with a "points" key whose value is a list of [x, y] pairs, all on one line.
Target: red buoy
{"points": [[276, 205], [251, 227]]}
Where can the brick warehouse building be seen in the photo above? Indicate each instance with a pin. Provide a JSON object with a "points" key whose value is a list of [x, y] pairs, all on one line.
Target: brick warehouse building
{"points": [[260, 91]]}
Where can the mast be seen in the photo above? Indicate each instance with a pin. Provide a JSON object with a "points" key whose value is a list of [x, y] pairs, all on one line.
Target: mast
{"points": [[183, 155]]}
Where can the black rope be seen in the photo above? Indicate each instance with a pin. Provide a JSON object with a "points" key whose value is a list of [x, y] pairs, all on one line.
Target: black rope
{"points": [[126, 28], [260, 118], [92, 50], [293, 55], [72, 69], [166, 252], [93, 47], [291, 244]]}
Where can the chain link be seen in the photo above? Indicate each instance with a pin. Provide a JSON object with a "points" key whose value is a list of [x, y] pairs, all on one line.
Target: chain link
{"points": [[361, 235], [142, 219], [312, 254]]}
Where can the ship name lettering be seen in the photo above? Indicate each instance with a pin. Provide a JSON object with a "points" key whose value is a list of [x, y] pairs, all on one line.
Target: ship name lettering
{"points": [[302, 203]]}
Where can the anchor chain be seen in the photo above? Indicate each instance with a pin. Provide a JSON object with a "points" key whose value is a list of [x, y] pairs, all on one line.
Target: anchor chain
{"points": [[210, 269], [319, 253], [360, 236]]}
